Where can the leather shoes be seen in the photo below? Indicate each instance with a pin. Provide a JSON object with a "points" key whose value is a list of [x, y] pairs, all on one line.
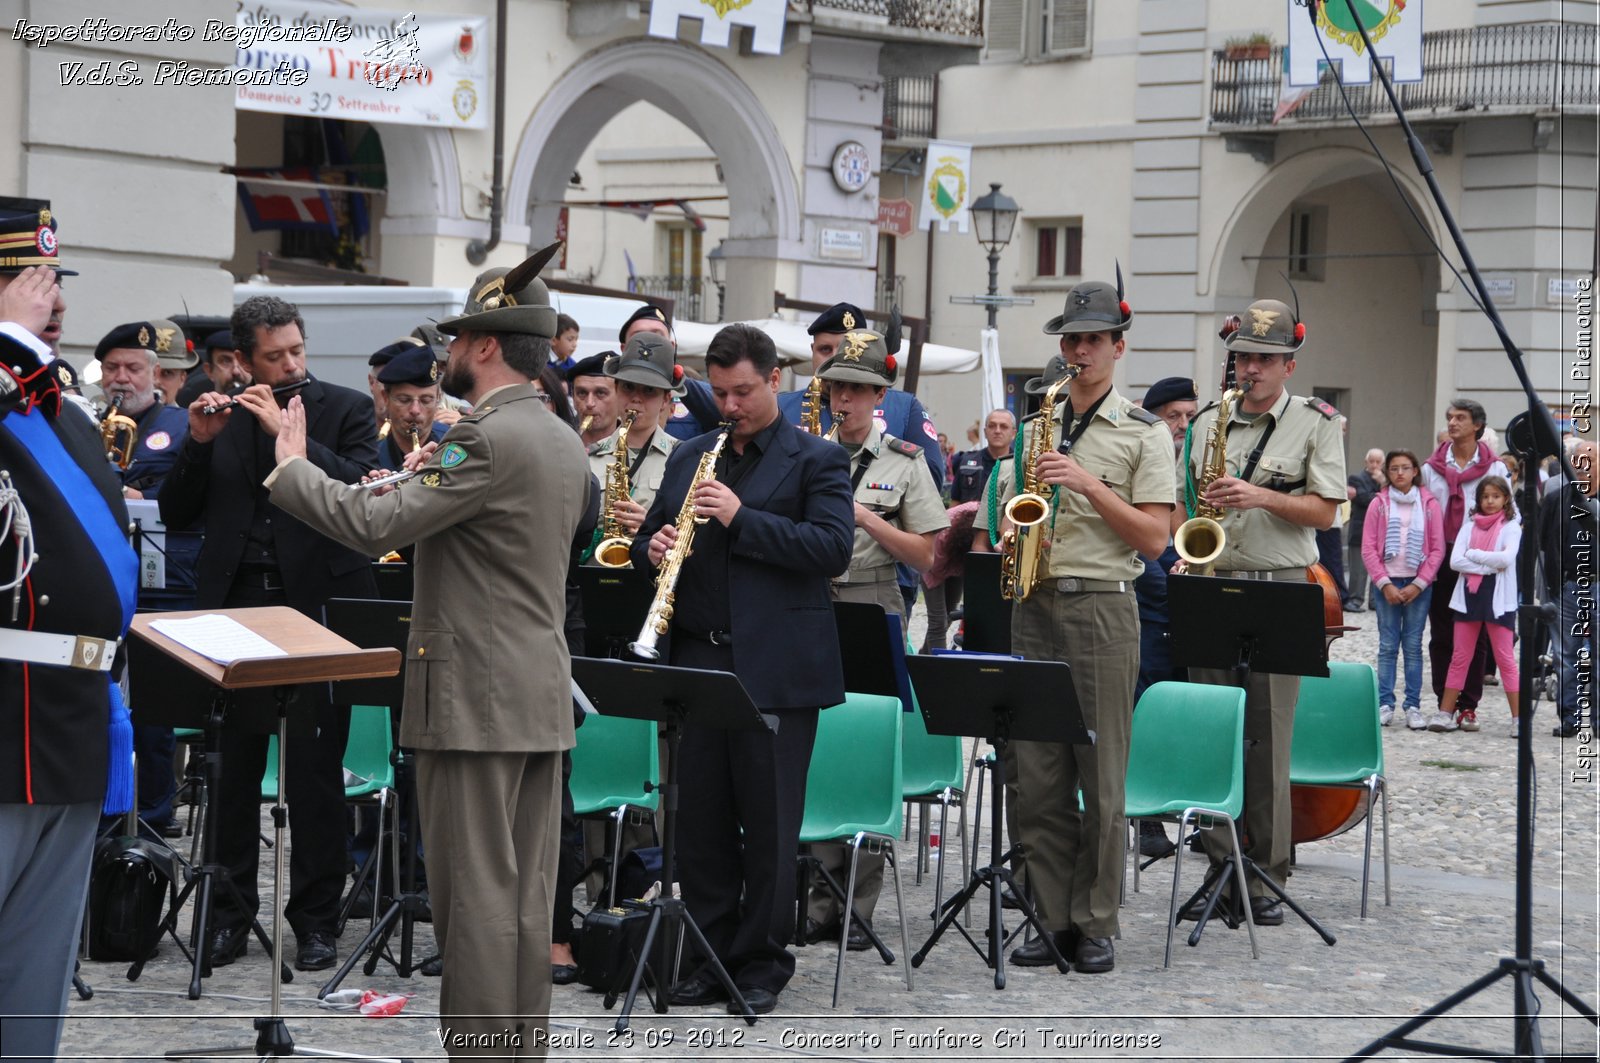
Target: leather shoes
{"points": [[1153, 840], [1564, 729], [858, 941], [761, 1001], [1266, 911], [703, 987], [818, 932], [432, 967], [228, 944], [1037, 954], [563, 973], [1094, 956], [317, 952]]}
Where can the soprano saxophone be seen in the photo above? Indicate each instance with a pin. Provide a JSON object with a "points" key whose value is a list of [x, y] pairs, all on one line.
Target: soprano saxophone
{"points": [[659, 618]]}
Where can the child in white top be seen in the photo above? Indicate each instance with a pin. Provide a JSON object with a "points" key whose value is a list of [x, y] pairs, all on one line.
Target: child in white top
{"points": [[1486, 555]]}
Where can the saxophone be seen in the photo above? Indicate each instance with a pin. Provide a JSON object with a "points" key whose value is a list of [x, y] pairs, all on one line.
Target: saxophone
{"points": [[1022, 546], [811, 407], [659, 618], [612, 551], [833, 433], [1200, 539]]}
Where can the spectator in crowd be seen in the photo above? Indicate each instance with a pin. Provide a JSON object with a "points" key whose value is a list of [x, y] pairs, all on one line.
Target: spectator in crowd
{"points": [[1402, 548], [564, 348], [1364, 486], [1567, 534], [1485, 554], [972, 467]]}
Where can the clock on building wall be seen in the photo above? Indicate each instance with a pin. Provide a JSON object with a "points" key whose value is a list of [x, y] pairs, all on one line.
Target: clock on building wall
{"points": [[852, 166]]}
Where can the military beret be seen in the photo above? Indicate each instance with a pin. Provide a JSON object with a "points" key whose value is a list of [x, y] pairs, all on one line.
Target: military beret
{"points": [[28, 236], [135, 335], [840, 317], [220, 340], [1170, 389], [594, 365], [415, 365], [653, 313], [66, 376], [384, 355]]}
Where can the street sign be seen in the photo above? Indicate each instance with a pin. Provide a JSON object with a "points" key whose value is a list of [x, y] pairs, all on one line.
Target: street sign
{"points": [[895, 217]]}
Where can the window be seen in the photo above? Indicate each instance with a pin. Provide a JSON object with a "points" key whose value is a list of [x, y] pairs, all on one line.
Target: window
{"points": [[1308, 242], [680, 249], [1036, 29], [1058, 248]]}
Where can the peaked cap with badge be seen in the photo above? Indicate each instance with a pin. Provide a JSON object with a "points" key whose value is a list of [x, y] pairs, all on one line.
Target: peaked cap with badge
{"points": [[648, 311], [28, 236], [1093, 306], [862, 358], [172, 346], [649, 361], [509, 300], [840, 317], [1267, 327], [415, 365]]}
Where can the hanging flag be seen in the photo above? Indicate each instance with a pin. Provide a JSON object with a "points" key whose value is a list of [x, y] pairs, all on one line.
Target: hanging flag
{"points": [[994, 385], [632, 280], [946, 184], [1290, 95], [272, 204], [1396, 34], [718, 17]]}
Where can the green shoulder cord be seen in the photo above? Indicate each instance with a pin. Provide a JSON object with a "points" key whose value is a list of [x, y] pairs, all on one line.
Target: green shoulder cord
{"points": [[992, 491], [1191, 501]]}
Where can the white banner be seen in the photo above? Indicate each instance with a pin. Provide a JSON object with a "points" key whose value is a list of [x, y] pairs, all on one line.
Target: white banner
{"points": [[994, 385], [718, 17], [356, 63], [946, 186], [1395, 27]]}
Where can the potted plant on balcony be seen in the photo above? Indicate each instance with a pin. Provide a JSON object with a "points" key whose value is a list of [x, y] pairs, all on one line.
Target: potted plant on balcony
{"points": [[1255, 46]]}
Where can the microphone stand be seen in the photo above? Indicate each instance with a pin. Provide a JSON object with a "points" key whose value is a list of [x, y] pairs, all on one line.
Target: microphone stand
{"points": [[1541, 440]]}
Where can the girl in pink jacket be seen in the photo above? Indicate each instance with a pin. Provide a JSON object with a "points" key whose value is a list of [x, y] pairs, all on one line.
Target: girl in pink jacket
{"points": [[1402, 544]]}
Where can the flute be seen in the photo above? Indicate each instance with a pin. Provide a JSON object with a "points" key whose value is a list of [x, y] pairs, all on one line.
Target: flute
{"points": [[281, 389]]}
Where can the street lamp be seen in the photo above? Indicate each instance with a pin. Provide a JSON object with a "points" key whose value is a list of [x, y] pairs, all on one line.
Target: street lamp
{"points": [[717, 264], [994, 218]]}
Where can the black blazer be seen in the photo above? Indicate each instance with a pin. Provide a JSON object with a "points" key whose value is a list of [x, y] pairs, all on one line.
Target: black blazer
{"points": [[793, 533], [219, 481]]}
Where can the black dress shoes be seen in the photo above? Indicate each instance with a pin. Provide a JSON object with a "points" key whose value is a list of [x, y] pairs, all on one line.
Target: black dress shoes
{"points": [[1564, 729], [761, 1001], [858, 941], [702, 988], [1037, 954], [317, 951], [432, 967], [818, 932], [1153, 840], [228, 944], [563, 973], [1094, 956], [1266, 911]]}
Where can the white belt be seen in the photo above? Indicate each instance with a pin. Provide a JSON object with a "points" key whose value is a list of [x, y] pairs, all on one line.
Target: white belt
{"points": [[69, 651]]}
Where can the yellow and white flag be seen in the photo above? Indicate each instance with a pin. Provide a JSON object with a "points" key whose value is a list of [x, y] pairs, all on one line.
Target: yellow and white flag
{"points": [[717, 19], [1395, 27], [946, 186]]}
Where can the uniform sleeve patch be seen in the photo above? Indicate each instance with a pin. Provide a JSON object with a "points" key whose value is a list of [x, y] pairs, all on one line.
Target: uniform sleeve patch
{"points": [[431, 479], [158, 441], [452, 455], [930, 431]]}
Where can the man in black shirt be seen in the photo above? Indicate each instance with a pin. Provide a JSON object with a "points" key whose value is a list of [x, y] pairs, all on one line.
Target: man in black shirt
{"points": [[752, 598], [972, 467], [1567, 543]]}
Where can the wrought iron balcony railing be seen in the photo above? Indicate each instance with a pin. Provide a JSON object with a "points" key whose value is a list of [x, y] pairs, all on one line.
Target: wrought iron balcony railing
{"points": [[955, 18], [1535, 66], [908, 107], [687, 292], [890, 290]]}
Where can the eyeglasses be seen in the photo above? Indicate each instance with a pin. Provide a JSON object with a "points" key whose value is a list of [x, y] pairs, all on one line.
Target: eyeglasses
{"points": [[541, 396]]}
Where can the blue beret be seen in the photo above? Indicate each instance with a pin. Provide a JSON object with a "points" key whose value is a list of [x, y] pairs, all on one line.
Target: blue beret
{"points": [[648, 310], [1169, 389], [594, 365], [840, 317], [413, 365], [135, 335], [383, 355]]}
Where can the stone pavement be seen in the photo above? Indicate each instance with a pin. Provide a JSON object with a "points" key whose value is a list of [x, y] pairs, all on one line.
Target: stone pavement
{"points": [[1452, 807]]}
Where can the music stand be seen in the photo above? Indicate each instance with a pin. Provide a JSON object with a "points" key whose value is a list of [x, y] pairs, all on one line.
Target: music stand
{"points": [[395, 580], [1000, 699], [615, 601], [986, 621], [313, 654], [670, 696], [1246, 626], [370, 622]]}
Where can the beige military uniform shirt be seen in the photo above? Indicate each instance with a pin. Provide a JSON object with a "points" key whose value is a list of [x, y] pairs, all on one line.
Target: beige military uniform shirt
{"points": [[898, 487], [1130, 452], [644, 481], [1304, 456]]}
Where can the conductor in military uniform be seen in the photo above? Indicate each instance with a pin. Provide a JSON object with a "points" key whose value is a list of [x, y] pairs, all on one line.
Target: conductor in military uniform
{"points": [[488, 703], [1111, 472], [752, 599], [1285, 480], [898, 512], [410, 383], [646, 376]]}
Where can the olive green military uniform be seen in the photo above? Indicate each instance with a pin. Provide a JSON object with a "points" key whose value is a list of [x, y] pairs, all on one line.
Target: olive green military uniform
{"points": [[646, 478], [898, 487], [1084, 613], [1304, 455]]}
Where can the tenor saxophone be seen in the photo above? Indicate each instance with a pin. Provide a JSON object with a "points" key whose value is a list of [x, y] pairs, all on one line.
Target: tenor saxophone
{"points": [[1199, 540], [659, 618], [1022, 546], [612, 551]]}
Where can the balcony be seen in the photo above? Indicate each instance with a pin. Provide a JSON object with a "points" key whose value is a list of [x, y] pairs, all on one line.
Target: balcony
{"points": [[1502, 69], [909, 107], [688, 293], [958, 22]]}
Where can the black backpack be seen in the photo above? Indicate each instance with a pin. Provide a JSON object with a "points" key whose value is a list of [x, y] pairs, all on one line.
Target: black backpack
{"points": [[129, 884]]}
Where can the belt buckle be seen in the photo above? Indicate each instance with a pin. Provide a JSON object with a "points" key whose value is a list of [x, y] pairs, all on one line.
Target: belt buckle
{"points": [[718, 638], [1069, 585], [86, 653]]}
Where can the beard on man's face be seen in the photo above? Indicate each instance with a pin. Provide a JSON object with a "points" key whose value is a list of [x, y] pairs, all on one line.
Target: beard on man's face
{"points": [[457, 381]]}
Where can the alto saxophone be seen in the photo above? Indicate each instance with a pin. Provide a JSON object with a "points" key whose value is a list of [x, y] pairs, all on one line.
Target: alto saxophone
{"points": [[1200, 539], [659, 618], [811, 407], [1022, 546], [612, 551]]}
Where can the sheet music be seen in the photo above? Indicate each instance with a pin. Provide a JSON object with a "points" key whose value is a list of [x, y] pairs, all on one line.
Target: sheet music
{"points": [[218, 638]]}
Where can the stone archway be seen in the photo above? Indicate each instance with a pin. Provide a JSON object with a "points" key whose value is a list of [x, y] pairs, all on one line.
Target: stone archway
{"points": [[705, 95]]}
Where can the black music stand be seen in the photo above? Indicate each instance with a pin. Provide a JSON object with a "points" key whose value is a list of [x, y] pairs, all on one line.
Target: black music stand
{"points": [[670, 696], [371, 622], [998, 698], [1245, 626], [395, 580], [615, 601], [986, 622]]}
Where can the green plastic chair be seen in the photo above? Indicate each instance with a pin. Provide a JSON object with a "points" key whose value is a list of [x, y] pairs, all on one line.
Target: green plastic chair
{"points": [[854, 793], [615, 768], [1338, 741], [1186, 764], [930, 773]]}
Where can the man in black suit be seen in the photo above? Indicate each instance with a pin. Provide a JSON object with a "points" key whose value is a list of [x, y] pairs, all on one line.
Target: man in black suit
{"points": [[752, 599], [255, 554]]}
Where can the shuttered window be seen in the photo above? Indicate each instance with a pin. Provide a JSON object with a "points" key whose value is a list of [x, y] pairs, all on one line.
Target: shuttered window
{"points": [[1036, 29], [1003, 31], [1066, 27]]}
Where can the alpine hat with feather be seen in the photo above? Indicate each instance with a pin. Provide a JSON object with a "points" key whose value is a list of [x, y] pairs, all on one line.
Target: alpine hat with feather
{"points": [[509, 300]]}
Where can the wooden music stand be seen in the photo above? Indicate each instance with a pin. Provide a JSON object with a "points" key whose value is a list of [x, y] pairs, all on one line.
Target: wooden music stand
{"points": [[313, 654]]}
